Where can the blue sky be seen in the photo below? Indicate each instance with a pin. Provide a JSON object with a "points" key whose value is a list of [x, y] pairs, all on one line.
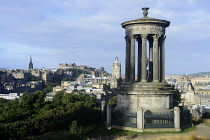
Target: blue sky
{"points": [[89, 32]]}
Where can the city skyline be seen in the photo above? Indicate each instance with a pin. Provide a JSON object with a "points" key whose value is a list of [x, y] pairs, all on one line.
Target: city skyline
{"points": [[89, 33]]}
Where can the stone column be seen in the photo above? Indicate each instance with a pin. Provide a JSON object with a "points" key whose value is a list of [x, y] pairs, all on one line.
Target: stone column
{"points": [[156, 59], [144, 59], [177, 118], [127, 59], [139, 58], [140, 119], [163, 58], [150, 59], [132, 59], [108, 119], [102, 108]]}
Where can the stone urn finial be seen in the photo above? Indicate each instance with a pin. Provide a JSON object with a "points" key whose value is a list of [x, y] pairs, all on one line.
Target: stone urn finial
{"points": [[145, 11]]}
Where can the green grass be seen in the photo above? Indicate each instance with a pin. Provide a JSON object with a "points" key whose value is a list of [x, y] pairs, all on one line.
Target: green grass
{"points": [[101, 130], [98, 131], [206, 122], [58, 135]]}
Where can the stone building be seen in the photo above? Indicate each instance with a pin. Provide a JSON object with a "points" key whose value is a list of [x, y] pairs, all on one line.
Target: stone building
{"points": [[47, 76], [201, 80], [201, 84], [37, 73], [20, 74], [66, 66]]}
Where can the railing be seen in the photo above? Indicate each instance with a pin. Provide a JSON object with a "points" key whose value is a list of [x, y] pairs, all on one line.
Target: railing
{"points": [[185, 118], [159, 119], [128, 119], [104, 114], [166, 119]]}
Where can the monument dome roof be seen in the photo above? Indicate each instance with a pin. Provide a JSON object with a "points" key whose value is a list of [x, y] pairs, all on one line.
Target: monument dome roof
{"points": [[146, 20]]}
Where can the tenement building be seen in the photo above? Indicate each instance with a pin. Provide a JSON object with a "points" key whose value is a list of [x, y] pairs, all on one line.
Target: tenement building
{"points": [[146, 101]]}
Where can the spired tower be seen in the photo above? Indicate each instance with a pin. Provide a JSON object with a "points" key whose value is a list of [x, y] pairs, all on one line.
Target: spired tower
{"points": [[116, 69], [149, 91], [30, 64]]}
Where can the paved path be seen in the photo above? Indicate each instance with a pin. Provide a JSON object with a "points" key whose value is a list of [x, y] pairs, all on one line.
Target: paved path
{"points": [[203, 130]]}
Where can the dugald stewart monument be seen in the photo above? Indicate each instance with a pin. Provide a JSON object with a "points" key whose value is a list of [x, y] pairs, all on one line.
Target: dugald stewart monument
{"points": [[145, 102]]}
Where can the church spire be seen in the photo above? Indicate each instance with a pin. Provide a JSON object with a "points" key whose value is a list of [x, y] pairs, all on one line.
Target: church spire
{"points": [[30, 63], [30, 59]]}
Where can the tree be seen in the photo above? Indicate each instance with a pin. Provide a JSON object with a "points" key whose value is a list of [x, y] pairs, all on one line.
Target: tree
{"points": [[113, 101], [33, 78], [32, 115], [82, 91], [2, 102], [75, 130], [176, 98], [49, 87], [57, 99]]}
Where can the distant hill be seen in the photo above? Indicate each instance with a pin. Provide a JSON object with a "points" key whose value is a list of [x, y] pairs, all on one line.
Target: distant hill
{"points": [[5, 68], [200, 74]]}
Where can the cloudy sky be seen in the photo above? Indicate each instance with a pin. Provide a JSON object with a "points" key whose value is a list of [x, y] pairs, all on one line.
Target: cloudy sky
{"points": [[89, 32]]}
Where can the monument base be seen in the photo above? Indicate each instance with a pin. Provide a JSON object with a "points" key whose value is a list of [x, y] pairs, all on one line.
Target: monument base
{"points": [[149, 96]]}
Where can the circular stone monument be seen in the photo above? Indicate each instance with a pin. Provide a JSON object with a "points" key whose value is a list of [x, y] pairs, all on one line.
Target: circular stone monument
{"points": [[147, 90]]}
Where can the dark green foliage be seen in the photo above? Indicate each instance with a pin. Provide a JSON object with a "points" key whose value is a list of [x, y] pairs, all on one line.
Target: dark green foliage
{"points": [[113, 101], [49, 87], [177, 98], [32, 115], [33, 78], [75, 131], [206, 115], [76, 73], [57, 99], [59, 76]]}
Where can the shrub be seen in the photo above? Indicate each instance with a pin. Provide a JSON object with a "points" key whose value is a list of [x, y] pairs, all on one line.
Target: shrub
{"points": [[75, 131]]}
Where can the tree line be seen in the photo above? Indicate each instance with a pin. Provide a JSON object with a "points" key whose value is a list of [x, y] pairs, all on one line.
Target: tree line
{"points": [[32, 115]]}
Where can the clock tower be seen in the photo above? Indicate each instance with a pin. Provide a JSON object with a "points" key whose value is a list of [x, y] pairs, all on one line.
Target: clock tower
{"points": [[116, 69]]}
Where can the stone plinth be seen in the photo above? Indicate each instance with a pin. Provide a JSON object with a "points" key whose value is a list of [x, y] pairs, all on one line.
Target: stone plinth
{"points": [[152, 96]]}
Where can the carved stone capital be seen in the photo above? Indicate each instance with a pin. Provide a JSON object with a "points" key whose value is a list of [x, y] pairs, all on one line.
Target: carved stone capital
{"points": [[144, 36], [137, 37], [156, 36], [131, 36], [163, 38], [127, 38]]}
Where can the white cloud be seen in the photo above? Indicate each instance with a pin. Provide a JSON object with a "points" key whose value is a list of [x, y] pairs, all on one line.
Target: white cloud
{"points": [[85, 31]]}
